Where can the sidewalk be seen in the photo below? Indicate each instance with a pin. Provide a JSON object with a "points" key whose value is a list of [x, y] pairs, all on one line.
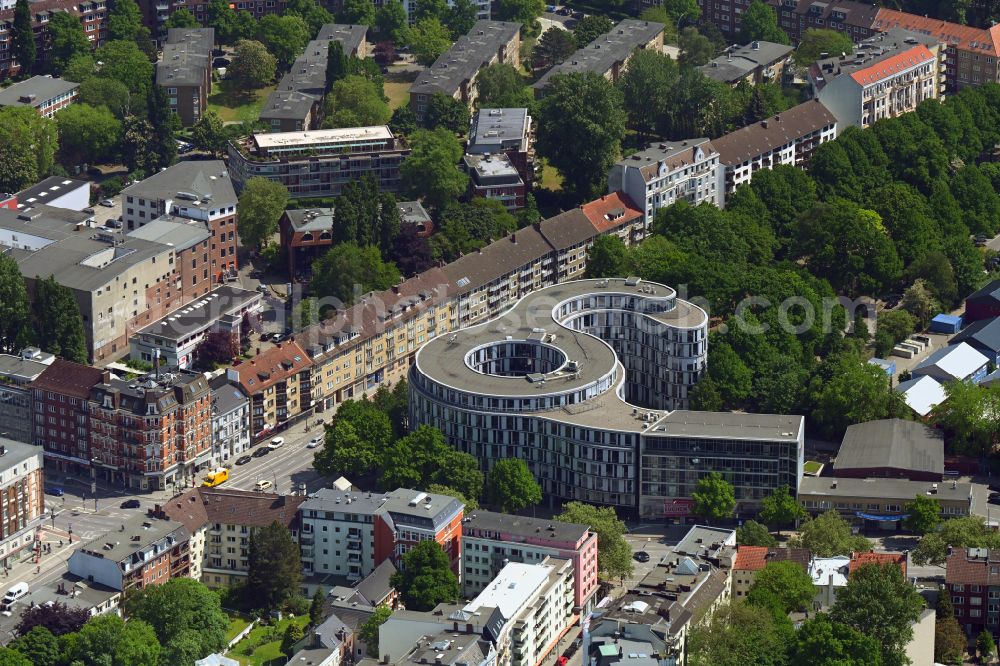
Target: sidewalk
{"points": [[30, 570]]}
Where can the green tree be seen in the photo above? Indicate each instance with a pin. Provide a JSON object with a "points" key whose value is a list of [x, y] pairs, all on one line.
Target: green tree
{"points": [[252, 66], [165, 123], [760, 22], [846, 390], [357, 12], [40, 646], [428, 39], [466, 227], [27, 145], [937, 274], [336, 63], [647, 87], [920, 302], [260, 206], [285, 37], [682, 11], [426, 578], [512, 486], [181, 18], [431, 171], [525, 12], [461, 17], [14, 309], [56, 320], [962, 532], [430, 8], [354, 101], [590, 28], [23, 47], [580, 128], [107, 640], [949, 641], [985, 646], [356, 441], [182, 608], [788, 582], [820, 641], [470, 503], [369, 629], [11, 657], [614, 555], [275, 567], [57, 617], [66, 40], [714, 498], [124, 62], [780, 508], [816, 41], [552, 48], [657, 14], [391, 21], [447, 112], [316, 607], [828, 534], [424, 457], [501, 86], [969, 417], [607, 257], [87, 132], [366, 216], [348, 270], [879, 601], [80, 67], [98, 91], [752, 533], [737, 634], [696, 49], [293, 634], [209, 133], [923, 514], [124, 21], [312, 13]]}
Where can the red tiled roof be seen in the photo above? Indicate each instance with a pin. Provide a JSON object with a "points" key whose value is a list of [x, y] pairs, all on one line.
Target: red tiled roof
{"points": [[892, 66], [861, 559], [271, 367], [964, 570], [953, 34], [250, 508], [68, 378], [601, 211], [750, 558]]}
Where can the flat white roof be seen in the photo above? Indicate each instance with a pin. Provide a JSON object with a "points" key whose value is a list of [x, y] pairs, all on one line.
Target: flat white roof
{"points": [[822, 568], [922, 394], [512, 588], [285, 139], [960, 361]]}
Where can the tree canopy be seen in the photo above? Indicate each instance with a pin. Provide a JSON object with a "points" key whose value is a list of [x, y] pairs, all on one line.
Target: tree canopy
{"points": [[349, 270], [260, 206], [713, 497], [179, 611], [614, 555], [426, 578], [512, 486], [828, 534], [431, 171], [275, 565]]}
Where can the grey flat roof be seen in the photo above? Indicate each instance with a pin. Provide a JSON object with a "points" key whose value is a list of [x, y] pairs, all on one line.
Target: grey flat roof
{"points": [[736, 63], [412, 212], [287, 104], [43, 88], [350, 36], [735, 425], [601, 54], [178, 232], [17, 452], [121, 543], [50, 188], [44, 221], [498, 129], [523, 526], [892, 443], [490, 168], [310, 219], [198, 315], [187, 57], [331, 499], [65, 260], [465, 58], [21, 369], [881, 488], [868, 53], [198, 177]]}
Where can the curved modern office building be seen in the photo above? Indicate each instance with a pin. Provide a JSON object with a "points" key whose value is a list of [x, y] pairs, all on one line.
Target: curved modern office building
{"points": [[588, 382]]}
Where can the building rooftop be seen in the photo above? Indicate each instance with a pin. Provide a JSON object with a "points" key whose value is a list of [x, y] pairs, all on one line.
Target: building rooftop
{"points": [[310, 219], [494, 130], [203, 184], [892, 443], [830, 570], [226, 397], [276, 141], [921, 394], [779, 130], [187, 57], [413, 212], [351, 37], [959, 361], [141, 531], [247, 507], [48, 189], [14, 453], [875, 58], [966, 37], [611, 211], [861, 559], [288, 104], [739, 61], [512, 588], [68, 378], [702, 541], [403, 505], [377, 585], [750, 558], [26, 367], [668, 155], [35, 90], [199, 315], [985, 332], [739, 425], [166, 391], [524, 527], [270, 367], [901, 489], [450, 649], [177, 232], [491, 168], [972, 566], [607, 50], [470, 53]]}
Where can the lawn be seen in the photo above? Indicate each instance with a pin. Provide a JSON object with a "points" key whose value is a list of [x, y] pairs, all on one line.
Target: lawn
{"points": [[234, 104], [236, 625], [262, 647], [398, 93], [812, 467], [551, 179]]}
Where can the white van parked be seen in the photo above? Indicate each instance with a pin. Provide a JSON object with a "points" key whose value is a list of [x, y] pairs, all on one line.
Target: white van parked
{"points": [[18, 591]]}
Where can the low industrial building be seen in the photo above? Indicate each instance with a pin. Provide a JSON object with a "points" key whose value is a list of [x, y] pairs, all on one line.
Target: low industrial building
{"points": [[983, 303], [56, 191], [756, 62], [959, 362], [891, 448], [43, 93], [922, 394], [983, 336]]}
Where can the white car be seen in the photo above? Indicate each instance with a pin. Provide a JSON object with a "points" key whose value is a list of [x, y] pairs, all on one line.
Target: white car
{"points": [[315, 442], [276, 443]]}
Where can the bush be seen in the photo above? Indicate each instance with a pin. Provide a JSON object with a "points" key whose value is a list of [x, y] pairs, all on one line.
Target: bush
{"points": [[112, 186], [297, 605]]}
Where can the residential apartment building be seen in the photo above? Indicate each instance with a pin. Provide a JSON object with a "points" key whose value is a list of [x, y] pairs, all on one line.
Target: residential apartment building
{"points": [[198, 191], [972, 579], [185, 70], [349, 534], [230, 421], [751, 559], [22, 498], [796, 16], [155, 13], [44, 93], [493, 176], [153, 432], [279, 384], [756, 62], [454, 73], [148, 551], [507, 131], [665, 173], [319, 163], [16, 373], [491, 540], [608, 55], [789, 137], [584, 347], [61, 401], [889, 74], [189, 240], [92, 15], [410, 6]]}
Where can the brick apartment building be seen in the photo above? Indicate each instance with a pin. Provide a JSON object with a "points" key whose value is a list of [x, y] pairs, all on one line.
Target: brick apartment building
{"points": [[22, 498], [61, 403], [972, 578], [92, 15], [151, 433], [44, 93], [185, 70], [279, 383]]}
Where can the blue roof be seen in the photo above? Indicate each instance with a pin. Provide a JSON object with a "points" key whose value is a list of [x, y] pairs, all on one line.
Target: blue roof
{"points": [[947, 319]]}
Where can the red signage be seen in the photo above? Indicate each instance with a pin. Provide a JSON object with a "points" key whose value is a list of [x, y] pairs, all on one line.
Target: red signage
{"points": [[678, 507]]}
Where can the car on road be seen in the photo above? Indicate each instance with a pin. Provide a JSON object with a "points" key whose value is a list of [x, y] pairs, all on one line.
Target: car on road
{"points": [[263, 485], [262, 451], [243, 460], [108, 203], [276, 443], [90, 211], [55, 490], [994, 498], [130, 504], [641, 556], [315, 441]]}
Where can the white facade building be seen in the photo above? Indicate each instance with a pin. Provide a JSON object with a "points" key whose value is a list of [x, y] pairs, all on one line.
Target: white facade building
{"points": [[230, 422]]}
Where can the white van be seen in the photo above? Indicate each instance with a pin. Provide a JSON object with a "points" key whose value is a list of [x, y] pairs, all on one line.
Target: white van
{"points": [[263, 485], [13, 594], [276, 443]]}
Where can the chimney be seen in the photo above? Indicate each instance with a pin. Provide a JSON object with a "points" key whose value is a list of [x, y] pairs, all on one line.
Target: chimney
{"points": [[106, 377], [513, 238], [763, 124], [156, 362]]}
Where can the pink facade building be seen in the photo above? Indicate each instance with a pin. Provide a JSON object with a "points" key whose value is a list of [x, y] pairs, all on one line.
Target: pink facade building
{"points": [[492, 540]]}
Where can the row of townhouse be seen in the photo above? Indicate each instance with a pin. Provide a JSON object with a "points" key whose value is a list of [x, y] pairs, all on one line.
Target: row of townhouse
{"points": [[92, 15], [185, 70], [971, 55]]}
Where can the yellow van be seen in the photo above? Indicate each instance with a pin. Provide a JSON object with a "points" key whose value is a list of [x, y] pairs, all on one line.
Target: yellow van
{"points": [[215, 477]]}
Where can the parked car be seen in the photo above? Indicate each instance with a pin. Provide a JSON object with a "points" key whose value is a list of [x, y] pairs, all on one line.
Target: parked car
{"points": [[263, 485], [276, 443], [55, 490], [108, 203], [243, 460], [262, 451], [315, 441], [113, 224], [130, 504], [278, 337], [641, 556], [89, 211]]}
